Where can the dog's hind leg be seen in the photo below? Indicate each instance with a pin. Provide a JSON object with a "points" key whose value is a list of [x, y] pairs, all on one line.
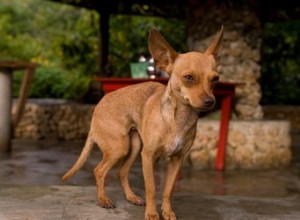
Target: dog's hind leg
{"points": [[125, 168], [117, 150]]}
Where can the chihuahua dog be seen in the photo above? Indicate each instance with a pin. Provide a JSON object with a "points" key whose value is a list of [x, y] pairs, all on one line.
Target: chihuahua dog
{"points": [[153, 119]]}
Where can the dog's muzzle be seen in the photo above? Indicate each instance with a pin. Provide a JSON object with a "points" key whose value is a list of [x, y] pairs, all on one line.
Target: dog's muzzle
{"points": [[208, 102]]}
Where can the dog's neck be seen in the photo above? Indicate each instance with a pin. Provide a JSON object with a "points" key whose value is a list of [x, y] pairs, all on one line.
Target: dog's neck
{"points": [[175, 112], [180, 120]]}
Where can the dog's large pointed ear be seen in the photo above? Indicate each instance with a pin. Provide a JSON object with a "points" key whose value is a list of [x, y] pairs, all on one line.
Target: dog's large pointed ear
{"points": [[163, 54], [215, 47]]}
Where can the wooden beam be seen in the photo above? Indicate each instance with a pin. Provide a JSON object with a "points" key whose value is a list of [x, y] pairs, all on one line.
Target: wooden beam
{"points": [[161, 8], [103, 47], [23, 95]]}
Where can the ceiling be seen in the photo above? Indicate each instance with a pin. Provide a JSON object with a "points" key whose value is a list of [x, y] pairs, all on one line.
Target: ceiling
{"points": [[164, 8]]}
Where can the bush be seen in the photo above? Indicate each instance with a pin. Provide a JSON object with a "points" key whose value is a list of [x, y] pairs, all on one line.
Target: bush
{"points": [[64, 41], [129, 34], [51, 35], [49, 82], [281, 63]]}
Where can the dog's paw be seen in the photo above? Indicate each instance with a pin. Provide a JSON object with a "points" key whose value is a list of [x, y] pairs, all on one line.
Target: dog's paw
{"points": [[169, 215], [106, 203], [136, 200], [151, 216]]}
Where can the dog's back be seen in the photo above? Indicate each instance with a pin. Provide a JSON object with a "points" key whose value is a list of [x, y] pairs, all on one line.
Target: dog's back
{"points": [[128, 103]]}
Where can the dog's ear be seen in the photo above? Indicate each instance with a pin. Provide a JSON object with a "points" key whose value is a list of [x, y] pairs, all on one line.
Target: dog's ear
{"points": [[215, 47], [163, 54]]}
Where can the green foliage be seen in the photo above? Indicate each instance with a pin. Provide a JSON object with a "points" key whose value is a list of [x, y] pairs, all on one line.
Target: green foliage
{"points": [[281, 63], [64, 41], [60, 38], [76, 87], [14, 30], [129, 34], [50, 82], [79, 46], [54, 83]]}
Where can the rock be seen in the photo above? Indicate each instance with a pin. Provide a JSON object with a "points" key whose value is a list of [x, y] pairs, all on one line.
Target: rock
{"points": [[291, 113], [236, 138], [251, 145], [240, 56], [200, 159], [55, 120]]}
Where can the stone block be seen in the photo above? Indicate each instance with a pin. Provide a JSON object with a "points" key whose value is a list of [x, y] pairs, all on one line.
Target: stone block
{"points": [[251, 145]]}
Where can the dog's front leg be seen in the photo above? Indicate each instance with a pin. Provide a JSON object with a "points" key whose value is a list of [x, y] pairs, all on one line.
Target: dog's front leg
{"points": [[172, 171], [148, 171]]}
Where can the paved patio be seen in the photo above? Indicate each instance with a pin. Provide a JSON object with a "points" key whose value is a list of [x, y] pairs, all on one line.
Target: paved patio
{"points": [[30, 188], [78, 203]]}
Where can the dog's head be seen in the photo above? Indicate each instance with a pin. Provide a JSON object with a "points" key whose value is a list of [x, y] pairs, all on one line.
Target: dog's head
{"points": [[193, 75]]}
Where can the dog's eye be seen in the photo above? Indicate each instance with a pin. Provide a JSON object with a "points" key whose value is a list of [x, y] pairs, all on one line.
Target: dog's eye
{"points": [[188, 78], [214, 81]]}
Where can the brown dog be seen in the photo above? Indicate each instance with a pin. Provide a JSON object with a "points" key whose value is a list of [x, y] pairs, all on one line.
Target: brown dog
{"points": [[161, 118]]}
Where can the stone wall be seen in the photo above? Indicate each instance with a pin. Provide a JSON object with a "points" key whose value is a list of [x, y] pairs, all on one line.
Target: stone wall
{"points": [[241, 47], [251, 144], [54, 119], [290, 113]]}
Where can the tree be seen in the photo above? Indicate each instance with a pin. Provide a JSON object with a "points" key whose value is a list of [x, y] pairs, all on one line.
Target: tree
{"points": [[281, 63], [50, 34], [129, 34], [63, 40]]}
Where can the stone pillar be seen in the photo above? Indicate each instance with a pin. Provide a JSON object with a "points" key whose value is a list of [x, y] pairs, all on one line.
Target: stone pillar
{"points": [[5, 110], [241, 46]]}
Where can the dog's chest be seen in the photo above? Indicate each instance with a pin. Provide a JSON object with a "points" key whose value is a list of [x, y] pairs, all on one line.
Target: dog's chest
{"points": [[180, 131], [180, 142], [176, 145]]}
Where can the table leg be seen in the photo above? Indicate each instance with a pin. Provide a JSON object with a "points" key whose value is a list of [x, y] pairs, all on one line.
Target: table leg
{"points": [[5, 110], [225, 115], [23, 94]]}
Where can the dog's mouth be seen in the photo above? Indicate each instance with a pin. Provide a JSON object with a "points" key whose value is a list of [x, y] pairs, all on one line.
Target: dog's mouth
{"points": [[203, 109], [206, 104]]}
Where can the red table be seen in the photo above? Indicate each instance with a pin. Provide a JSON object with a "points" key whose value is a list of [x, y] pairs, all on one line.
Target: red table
{"points": [[224, 90]]}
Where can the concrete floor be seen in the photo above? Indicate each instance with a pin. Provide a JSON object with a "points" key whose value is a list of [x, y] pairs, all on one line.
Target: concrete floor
{"points": [[30, 188], [79, 203]]}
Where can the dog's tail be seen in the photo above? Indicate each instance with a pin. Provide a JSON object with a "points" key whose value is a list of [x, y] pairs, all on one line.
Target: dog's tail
{"points": [[82, 158]]}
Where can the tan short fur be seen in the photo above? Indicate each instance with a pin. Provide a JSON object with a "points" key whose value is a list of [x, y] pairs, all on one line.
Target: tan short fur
{"points": [[153, 119]]}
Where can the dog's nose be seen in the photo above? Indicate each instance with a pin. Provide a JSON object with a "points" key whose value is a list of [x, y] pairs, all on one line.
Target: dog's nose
{"points": [[208, 101]]}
